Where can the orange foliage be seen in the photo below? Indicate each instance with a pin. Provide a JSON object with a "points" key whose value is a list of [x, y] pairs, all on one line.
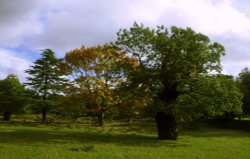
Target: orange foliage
{"points": [[97, 72]]}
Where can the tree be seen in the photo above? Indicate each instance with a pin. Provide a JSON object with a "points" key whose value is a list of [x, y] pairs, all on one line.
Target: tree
{"points": [[97, 72], [46, 80], [12, 95], [244, 85], [169, 62], [211, 96]]}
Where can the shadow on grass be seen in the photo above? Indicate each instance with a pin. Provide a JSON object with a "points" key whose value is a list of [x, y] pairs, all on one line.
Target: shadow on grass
{"points": [[34, 137], [124, 135], [243, 125], [206, 132], [88, 148], [233, 129]]}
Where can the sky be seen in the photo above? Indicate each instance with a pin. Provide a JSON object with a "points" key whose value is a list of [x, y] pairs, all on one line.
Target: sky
{"points": [[29, 26]]}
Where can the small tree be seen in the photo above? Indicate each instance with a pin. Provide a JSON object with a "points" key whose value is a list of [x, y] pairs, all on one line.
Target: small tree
{"points": [[244, 84], [46, 80], [211, 96], [12, 95]]}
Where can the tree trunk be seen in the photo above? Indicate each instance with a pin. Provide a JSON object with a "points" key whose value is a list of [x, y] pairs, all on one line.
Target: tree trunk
{"points": [[43, 115], [6, 116], [167, 126], [101, 118], [167, 123]]}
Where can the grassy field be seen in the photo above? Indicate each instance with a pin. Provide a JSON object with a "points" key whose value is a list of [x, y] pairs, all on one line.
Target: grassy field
{"points": [[118, 141]]}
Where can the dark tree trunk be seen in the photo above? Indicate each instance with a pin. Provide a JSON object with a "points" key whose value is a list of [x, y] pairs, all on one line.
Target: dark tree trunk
{"points": [[169, 93], [6, 116], [167, 126], [101, 118], [167, 123], [43, 115]]}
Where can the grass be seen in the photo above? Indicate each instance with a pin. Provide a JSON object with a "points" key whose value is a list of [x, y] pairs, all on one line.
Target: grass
{"points": [[118, 141]]}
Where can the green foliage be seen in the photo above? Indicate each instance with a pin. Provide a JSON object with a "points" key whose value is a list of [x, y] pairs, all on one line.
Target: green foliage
{"points": [[12, 95], [244, 84], [46, 76], [46, 80], [211, 96], [170, 61]]}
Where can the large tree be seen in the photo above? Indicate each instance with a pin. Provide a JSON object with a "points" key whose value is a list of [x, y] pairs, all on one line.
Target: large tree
{"points": [[170, 60], [12, 96], [96, 73], [46, 80]]}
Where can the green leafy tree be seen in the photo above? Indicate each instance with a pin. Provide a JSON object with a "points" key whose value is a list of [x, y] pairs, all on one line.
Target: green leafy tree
{"points": [[170, 59], [244, 84], [12, 95], [46, 80], [211, 96]]}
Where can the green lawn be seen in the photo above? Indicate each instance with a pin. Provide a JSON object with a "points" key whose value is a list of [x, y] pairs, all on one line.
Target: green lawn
{"points": [[118, 141]]}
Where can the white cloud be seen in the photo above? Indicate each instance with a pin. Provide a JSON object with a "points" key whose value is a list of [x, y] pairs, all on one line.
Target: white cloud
{"points": [[10, 64], [215, 18], [79, 23], [18, 20], [235, 67], [62, 25], [89, 22]]}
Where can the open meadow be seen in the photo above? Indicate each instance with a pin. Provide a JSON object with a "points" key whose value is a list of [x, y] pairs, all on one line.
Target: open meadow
{"points": [[118, 140]]}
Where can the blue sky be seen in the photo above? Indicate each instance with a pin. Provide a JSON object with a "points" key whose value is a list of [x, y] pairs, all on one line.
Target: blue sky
{"points": [[28, 26]]}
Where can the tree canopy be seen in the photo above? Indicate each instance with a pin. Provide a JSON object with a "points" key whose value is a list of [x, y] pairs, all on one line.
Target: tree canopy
{"points": [[96, 73], [244, 84], [211, 96], [12, 96], [171, 61]]}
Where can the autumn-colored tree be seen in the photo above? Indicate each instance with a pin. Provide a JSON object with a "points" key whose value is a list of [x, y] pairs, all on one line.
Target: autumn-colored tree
{"points": [[96, 73]]}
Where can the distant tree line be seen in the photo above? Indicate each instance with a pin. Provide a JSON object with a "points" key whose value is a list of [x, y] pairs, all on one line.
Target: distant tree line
{"points": [[144, 72]]}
